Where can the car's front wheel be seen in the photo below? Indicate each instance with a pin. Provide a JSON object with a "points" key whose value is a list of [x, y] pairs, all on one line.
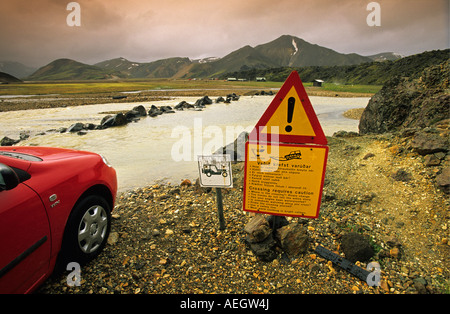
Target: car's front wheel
{"points": [[87, 230]]}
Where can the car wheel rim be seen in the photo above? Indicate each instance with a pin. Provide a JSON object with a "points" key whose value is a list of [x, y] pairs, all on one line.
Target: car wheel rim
{"points": [[92, 229]]}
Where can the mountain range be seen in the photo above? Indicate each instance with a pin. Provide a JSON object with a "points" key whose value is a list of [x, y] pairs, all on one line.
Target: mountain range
{"points": [[285, 51]]}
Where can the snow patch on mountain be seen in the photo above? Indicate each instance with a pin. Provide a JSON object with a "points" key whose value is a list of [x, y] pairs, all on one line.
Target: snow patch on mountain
{"points": [[295, 47]]}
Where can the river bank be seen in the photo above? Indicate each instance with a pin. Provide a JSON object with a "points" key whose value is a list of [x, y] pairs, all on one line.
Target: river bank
{"points": [[25, 102], [166, 239]]}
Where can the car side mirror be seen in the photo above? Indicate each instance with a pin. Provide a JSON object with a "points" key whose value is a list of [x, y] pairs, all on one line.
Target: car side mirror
{"points": [[8, 178]]}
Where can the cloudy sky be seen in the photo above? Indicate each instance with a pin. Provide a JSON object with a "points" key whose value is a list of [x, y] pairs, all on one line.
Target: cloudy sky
{"points": [[36, 32]]}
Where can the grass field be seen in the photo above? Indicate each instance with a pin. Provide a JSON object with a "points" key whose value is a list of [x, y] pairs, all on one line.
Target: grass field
{"points": [[98, 87]]}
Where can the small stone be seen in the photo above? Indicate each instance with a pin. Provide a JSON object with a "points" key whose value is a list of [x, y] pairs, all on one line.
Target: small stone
{"points": [[169, 231], [369, 155], [186, 182], [384, 285], [113, 238], [156, 232], [431, 160], [394, 252]]}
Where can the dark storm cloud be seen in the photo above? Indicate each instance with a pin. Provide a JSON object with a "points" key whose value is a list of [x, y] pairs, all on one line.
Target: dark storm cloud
{"points": [[35, 32]]}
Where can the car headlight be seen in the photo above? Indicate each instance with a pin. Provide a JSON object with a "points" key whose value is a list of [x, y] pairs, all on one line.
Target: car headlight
{"points": [[106, 161]]}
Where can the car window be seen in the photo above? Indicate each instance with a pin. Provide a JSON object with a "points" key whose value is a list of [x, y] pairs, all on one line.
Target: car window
{"points": [[2, 181]]}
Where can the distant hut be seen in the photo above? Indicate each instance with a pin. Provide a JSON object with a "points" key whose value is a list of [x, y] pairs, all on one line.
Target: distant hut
{"points": [[317, 83]]}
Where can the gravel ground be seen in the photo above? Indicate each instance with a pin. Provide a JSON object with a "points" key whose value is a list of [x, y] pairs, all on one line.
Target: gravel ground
{"points": [[165, 239]]}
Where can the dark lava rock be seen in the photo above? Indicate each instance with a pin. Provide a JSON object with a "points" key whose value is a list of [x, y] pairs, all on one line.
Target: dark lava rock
{"points": [[356, 247]]}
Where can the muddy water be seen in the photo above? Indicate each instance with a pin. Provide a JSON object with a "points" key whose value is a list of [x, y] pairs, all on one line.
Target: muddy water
{"points": [[150, 150]]}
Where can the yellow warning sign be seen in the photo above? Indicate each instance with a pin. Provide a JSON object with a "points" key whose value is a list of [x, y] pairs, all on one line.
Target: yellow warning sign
{"points": [[290, 117], [284, 179]]}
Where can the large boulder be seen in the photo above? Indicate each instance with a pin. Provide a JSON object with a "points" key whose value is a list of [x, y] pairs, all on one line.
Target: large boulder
{"points": [[140, 110], [154, 111], [6, 141], [76, 127], [202, 102], [407, 103], [236, 150], [114, 120]]}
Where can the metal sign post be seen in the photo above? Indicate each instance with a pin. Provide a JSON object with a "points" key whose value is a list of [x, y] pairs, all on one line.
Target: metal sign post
{"points": [[220, 209]]}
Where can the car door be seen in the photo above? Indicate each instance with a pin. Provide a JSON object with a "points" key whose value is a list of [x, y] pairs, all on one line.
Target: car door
{"points": [[25, 240]]}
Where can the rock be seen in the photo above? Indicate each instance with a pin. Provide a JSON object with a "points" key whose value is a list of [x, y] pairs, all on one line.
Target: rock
{"points": [[113, 238], [166, 109], [394, 252], [294, 239], [443, 180], [402, 175], [202, 102], [419, 284], [356, 247], [154, 111], [115, 120], [428, 143], [90, 126], [280, 221], [6, 141], [186, 182], [233, 97], [431, 160], [265, 250], [345, 134], [408, 103], [369, 155], [183, 105], [24, 135], [140, 110], [258, 229], [236, 149], [132, 115], [76, 127]]}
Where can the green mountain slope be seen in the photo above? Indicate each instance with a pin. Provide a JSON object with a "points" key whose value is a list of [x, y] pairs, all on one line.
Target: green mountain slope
{"points": [[285, 51], [7, 78], [368, 73], [67, 69]]}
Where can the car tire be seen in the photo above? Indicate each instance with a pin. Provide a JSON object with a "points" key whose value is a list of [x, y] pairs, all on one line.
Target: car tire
{"points": [[87, 230]]}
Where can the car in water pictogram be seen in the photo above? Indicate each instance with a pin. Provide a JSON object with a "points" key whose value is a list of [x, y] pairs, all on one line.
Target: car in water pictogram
{"points": [[55, 208]]}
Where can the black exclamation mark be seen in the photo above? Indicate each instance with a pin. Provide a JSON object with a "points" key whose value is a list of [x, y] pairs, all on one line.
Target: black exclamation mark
{"points": [[291, 105]]}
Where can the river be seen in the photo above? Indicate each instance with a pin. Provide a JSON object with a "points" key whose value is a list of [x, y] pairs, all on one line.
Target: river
{"points": [[150, 150]]}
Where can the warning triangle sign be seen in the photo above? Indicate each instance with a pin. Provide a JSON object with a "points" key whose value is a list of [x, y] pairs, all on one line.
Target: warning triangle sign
{"points": [[290, 116]]}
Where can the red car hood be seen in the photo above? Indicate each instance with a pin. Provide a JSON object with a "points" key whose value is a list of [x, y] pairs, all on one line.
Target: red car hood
{"points": [[43, 153]]}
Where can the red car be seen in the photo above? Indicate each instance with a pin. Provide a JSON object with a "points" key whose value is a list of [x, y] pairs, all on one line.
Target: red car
{"points": [[55, 208]]}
